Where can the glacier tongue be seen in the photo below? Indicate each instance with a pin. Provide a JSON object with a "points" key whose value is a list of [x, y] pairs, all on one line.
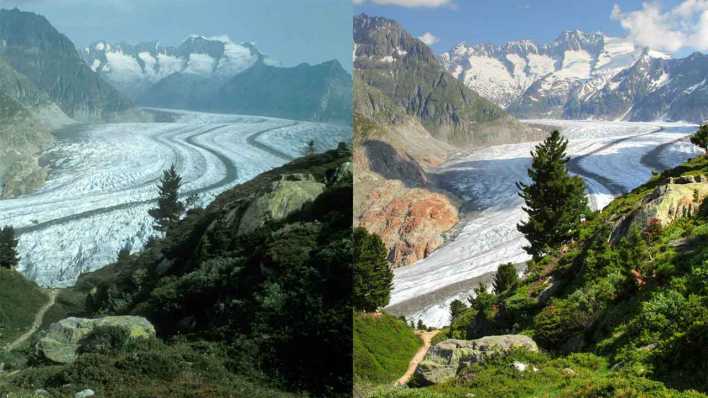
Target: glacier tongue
{"points": [[485, 179], [104, 177]]}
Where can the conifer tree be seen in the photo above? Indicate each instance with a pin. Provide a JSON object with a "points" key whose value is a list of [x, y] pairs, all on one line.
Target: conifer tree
{"points": [[456, 308], [8, 248], [700, 138], [554, 201], [169, 207], [505, 278], [373, 277], [310, 150]]}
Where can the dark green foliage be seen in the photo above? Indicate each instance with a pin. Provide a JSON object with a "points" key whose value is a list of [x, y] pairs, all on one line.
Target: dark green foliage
{"points": [[505, 278], [554, 201], [373, 277], [383, 347], [700, 138], [169, 207], [104, 339], [456, 308], [150, 368], [310, 149], [279, 298], [8, 248]]}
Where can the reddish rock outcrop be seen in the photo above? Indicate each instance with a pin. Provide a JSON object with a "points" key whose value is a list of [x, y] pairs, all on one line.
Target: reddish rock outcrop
{"points": [[411, 222]]}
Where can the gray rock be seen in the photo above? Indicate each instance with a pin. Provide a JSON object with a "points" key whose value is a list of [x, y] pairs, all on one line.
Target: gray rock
{"points": [[61, 340], [41, 392], [444, 359], [284, 198], [85, 393]]}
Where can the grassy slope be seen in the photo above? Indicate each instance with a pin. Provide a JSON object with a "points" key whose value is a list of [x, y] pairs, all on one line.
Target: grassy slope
{"points": [[639, 340], [20, 300], [383, 347]]}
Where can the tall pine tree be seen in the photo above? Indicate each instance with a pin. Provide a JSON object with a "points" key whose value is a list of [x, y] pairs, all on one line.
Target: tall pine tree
{"points": [[169, 207], [554, 201], [8, 248], [373, 277]]}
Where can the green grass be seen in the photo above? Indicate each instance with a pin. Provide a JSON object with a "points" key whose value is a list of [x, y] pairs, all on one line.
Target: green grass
{"points": [[20, 300], [574, 376], [383, 348]]}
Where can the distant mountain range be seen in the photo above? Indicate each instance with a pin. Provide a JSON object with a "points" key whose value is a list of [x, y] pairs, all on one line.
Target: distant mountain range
{"points": [[584, 76], [216, 74]]}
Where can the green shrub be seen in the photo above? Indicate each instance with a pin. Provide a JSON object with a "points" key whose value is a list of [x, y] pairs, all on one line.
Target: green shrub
{"points": [[104, 340]]}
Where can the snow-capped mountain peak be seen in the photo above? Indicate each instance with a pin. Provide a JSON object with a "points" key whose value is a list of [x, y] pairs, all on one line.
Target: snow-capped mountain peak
{"points": [[531, 78], [133, 67]]}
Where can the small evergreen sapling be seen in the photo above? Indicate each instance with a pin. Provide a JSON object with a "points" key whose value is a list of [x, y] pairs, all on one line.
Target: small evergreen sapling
{"points": [[169, 207], [505, 278]]}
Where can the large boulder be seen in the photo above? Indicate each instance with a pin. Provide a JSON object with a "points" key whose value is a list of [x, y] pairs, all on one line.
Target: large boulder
{"points": [[284, 198], [444, 359], [679, 197], [61, 341]]}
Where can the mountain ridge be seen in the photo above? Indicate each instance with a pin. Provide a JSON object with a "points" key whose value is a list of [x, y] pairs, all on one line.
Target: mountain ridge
{"points": [[575, 77]]}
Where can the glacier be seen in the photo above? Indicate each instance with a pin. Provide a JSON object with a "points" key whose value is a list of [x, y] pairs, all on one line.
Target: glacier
{"points": [[622, 153], [103, 179]]}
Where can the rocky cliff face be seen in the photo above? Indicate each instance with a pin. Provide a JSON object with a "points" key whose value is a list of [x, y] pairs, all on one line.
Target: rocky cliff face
{"points": [[407, 72]]}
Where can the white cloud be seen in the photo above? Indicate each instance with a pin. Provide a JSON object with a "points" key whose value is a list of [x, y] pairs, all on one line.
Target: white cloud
{"points": [[428, 38], [681, 27], [407, 3]]}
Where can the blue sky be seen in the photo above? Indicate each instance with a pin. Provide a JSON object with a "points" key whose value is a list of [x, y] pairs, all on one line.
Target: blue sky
{"points": [[497, 21], [290, 31]]}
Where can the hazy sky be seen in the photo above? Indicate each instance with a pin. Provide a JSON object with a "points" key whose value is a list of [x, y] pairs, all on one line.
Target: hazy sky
{"points": [[290, 31], [675, 26]]}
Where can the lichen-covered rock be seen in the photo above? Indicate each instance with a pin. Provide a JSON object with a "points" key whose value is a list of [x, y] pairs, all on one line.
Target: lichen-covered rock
{"points": [[680, 197], [444, 359], [284, 198], [61, 341]]}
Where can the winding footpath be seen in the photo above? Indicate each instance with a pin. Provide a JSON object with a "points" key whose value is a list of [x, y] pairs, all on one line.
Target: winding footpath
{"points": [[37, 323], [426, 338]]}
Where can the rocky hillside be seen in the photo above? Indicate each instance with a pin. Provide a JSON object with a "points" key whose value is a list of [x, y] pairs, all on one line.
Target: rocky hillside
{"points": [[34, 48], [407, 72], [583, 75], [320, 92], [620, 312], [241, 296]]}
